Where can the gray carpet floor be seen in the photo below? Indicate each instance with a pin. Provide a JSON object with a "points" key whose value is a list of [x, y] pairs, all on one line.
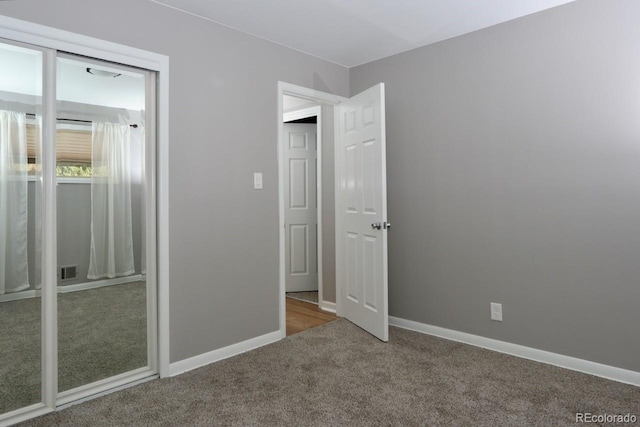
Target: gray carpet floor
{"points": [[101, 333], [307, 296], [336, 374]]}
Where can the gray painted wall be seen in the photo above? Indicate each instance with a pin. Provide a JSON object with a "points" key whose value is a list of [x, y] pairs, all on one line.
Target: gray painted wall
{"points": [[223, 257], [514, 177], [74, 227]]}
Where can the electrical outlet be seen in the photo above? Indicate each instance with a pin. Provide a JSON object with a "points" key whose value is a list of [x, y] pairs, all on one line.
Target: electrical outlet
{"points": [[496, 311]]}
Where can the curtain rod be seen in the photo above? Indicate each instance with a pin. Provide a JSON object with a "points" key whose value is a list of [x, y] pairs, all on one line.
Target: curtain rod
{"points": [[135, 126]]}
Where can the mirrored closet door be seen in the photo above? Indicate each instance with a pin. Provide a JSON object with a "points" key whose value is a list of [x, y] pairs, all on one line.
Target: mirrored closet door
{"points": [[100, 152], [20, 226], [77, 169]]}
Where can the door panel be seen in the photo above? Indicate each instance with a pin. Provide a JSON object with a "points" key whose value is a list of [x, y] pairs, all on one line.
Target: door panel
{"points": [[21, 87], [370, 261], [352, 272], [298, 184], [351, 162], [361, 250], [299, 252], [371, 177], [102, 305], [301, 214]]}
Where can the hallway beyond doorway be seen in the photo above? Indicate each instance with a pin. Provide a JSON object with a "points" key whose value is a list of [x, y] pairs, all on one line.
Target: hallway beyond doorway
{"points": [[304, 315]]}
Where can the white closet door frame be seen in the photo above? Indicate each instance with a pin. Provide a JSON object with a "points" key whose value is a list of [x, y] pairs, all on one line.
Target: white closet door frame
{"points": [[49, 238], [49, 41]]}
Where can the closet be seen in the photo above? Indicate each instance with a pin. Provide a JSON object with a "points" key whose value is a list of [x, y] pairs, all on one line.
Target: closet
{"points": [[78, 291]]}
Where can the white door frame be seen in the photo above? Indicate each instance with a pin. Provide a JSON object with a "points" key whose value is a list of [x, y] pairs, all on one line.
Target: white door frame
{"points": [[320, 98], [315, 111], [59, 40]]}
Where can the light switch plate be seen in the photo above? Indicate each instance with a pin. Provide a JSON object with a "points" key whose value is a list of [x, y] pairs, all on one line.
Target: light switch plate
{"points": [[496, 311], [257, 180]]}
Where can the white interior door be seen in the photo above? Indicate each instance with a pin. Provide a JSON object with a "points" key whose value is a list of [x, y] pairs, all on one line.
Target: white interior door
{"points": [[361, 212], [301, 211]]}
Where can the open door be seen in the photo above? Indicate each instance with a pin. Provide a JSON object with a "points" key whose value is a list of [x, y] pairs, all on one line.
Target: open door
{"points": [[361, 212]]}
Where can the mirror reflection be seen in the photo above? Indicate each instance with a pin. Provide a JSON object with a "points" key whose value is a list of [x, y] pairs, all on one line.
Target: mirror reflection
{"points": [[20, 245], [100, 223], [102, 320]]}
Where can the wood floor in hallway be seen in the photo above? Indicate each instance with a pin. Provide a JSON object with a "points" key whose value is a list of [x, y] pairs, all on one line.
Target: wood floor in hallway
{"points": [[305, 315]]}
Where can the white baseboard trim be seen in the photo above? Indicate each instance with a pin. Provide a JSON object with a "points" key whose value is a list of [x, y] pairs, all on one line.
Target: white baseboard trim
{"points": [[19, 295], [328, 306], [201, 360], [62, 289], [562, 361]]}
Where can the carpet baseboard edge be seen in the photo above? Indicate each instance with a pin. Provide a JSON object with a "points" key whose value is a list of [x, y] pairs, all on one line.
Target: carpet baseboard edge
{"points": [[204, 359], [543, 356], [328, 306]]}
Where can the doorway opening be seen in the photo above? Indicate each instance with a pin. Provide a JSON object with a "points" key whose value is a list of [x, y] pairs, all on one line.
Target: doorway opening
{"points": [[357, 176], [302, 177], [306, 212], [303, 219]]}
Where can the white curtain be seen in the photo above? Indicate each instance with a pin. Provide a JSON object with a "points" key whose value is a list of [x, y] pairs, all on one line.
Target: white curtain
{"points": [[14, 271], [111, 227]]}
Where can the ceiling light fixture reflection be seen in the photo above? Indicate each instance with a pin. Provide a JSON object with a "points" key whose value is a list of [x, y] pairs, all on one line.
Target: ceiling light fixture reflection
{"points": [[102, 73]]}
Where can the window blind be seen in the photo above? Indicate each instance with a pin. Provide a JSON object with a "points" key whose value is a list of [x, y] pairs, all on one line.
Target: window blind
{"points": [[72, 146]]}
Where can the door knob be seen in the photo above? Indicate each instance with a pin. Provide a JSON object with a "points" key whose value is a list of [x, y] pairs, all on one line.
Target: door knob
{"points": [[376, 226], [386, 225]]}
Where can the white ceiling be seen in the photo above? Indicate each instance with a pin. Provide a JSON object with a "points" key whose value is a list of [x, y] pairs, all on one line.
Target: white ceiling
{"points": [[354, 32]]}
